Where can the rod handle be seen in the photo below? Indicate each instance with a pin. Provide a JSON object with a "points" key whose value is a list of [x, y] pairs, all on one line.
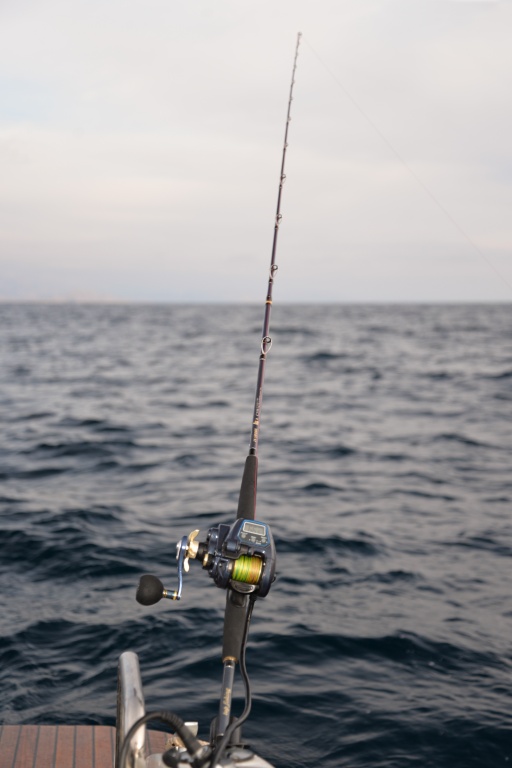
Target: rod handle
{"points": [[247, 498], [235, 619]]}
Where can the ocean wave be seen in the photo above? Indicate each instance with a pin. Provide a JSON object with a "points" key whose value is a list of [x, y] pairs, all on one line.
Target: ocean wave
{"points": [[383, 473]]}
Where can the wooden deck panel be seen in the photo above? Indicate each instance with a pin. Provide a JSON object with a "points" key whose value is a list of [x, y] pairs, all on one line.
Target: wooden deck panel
{"points": [[64, 746], [8, 745], [26, 747], [104, 747], [155, 742], [46, 746], [84, 747]]}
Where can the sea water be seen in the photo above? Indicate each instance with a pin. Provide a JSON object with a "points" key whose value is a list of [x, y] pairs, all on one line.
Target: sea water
{"points": [[385, 474]]}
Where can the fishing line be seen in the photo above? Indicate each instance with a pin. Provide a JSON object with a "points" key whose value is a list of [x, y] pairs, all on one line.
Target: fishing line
{"points": [[409, 169]]}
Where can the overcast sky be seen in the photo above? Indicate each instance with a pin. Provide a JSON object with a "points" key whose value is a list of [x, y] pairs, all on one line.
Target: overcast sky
{"points": [[140, 146]]}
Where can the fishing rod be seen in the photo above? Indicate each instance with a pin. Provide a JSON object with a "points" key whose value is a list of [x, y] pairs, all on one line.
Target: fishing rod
{"points": [[248, 489], [240, 558]]}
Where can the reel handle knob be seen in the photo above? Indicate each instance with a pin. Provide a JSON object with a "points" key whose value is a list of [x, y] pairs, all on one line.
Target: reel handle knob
{"points": [[150, 590]]}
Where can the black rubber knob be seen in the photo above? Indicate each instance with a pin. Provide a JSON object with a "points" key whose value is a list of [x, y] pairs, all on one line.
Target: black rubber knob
{"points": [[172, 758], [150, 590]]}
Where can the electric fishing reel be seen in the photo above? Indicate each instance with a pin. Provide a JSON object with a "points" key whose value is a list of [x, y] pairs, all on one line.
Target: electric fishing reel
{"points": [[241, 556]]}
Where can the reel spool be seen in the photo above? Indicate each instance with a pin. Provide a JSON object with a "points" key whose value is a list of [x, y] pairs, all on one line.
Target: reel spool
{"points": [[247, 569]]}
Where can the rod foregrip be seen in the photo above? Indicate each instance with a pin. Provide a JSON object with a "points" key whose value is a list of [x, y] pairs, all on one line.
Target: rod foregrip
{"points": [[235, 620], [247, 498]]}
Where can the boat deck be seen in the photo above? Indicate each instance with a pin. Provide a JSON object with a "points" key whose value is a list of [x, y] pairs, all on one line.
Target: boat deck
{"points": [[64, 746]]}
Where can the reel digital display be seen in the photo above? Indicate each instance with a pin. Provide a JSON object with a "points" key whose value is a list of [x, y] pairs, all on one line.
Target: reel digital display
{"points": [[254, 532]]}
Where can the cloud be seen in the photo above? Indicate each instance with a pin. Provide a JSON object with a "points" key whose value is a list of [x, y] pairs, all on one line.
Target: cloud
{"points": [[141, 147]]}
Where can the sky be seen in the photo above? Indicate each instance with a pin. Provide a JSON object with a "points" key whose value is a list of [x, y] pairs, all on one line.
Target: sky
{"points": [[141, 140]]}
